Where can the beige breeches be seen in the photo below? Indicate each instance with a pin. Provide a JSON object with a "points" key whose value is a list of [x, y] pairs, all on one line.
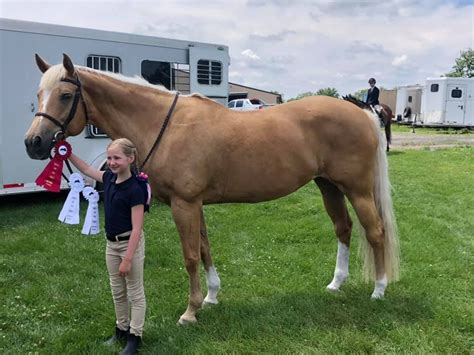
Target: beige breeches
{"points": [[127, 290]]}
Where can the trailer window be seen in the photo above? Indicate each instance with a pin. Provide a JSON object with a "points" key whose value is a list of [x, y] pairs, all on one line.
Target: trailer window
{"points": [[410, 98], [434, 88], [209, 72], [157, 73], [104, 63], [180, 78], [456, 93]]}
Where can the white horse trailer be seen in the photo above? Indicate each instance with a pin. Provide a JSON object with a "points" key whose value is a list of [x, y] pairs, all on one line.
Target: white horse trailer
{"points": [[448, 102], [176, 64], [409, 102]]}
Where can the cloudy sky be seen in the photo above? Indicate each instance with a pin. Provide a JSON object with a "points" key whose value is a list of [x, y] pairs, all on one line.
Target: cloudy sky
{"points": [[290, 46]]}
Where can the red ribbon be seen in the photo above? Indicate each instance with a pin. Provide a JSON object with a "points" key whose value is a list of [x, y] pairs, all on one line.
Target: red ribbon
{"points": [[50, 178]]}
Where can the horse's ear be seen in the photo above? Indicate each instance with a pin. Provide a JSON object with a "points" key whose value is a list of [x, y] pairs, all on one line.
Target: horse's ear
{"points": [[42, 65], [67, 63]]}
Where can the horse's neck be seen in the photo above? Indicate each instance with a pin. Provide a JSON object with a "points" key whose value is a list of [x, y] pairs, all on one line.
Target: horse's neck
{"points": [[123, 109]]}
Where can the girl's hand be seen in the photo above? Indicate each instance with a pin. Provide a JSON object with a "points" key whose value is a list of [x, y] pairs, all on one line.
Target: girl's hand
{"points": [[125, 267]]}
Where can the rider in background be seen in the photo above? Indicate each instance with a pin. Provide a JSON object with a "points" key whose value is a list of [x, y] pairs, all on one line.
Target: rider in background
{"points": [[373, 96]]}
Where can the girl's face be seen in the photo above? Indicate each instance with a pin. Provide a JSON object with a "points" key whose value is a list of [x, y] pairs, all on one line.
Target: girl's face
{"points": [[117, 161]]}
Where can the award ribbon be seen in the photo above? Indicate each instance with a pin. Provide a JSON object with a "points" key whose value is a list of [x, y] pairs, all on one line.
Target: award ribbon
{"points": [[91, 222], [70, 211], [50, 178]]}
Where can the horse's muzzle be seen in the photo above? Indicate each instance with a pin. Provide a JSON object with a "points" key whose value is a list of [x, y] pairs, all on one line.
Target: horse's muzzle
{"points": [[37, 148]]}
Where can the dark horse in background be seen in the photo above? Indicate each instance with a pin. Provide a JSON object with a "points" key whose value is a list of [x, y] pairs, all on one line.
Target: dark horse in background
{"points": [[385, 116]]}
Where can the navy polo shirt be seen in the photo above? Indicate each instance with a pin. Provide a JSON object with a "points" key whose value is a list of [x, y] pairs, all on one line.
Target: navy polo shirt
{"points": [[119, 200]]}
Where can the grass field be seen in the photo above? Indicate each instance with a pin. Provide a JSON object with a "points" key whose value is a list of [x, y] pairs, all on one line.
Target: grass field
{"points": [[274, 260]]}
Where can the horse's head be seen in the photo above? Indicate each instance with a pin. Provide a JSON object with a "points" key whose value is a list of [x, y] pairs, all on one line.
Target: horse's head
{"points": [[62, 110]]}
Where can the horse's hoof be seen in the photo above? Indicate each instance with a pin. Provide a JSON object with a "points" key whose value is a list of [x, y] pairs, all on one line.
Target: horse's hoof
{"points": [[187, 320], [377, 296], [210, 301], [332, 289]]}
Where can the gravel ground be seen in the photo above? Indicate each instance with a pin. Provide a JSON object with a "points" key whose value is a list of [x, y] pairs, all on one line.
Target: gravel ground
{"points": [[418, 141]]}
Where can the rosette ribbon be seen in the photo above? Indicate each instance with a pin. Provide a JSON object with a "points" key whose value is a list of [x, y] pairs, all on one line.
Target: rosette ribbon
{"points": [[70, 211], [50, 178], [91, 223]]}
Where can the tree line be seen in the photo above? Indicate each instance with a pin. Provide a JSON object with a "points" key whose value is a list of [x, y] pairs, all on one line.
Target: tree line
{"points": [[463, 68]]}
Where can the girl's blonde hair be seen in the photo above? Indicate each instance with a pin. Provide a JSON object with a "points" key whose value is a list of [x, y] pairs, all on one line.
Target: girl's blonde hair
{"points": [[127, 148]]}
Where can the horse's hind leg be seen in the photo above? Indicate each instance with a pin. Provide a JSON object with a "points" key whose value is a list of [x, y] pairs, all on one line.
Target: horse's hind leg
{"points": [[364, 205], [212, 278], [388, 133], [335, 205]]}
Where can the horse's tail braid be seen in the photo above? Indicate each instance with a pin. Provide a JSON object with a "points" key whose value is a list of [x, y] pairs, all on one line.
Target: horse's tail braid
{"points": [[383, 202]]}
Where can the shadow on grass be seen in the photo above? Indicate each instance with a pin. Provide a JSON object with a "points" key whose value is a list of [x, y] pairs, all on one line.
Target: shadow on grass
{"points": [[27, 200], [395, 152], [292, 316], [27, 209]]}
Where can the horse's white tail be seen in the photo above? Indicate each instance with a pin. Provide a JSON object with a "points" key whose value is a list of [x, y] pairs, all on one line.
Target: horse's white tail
{"points": [[383, 202]]}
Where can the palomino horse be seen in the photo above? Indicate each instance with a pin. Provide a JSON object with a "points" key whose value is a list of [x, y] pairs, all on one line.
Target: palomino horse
{"points": [[385, 116], [210, 154]]}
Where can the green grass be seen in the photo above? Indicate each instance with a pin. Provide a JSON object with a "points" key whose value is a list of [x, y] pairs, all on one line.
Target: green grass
{"points": [[274, 260]]}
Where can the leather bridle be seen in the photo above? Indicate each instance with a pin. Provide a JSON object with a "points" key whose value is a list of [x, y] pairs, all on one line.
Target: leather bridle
{"points": [[72, 111]]}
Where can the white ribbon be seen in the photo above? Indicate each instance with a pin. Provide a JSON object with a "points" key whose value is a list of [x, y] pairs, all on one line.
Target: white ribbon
{"points": [[70, 211], [91, 223]]}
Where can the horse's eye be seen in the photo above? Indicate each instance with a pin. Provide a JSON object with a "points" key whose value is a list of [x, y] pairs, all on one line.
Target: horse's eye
{"points": [[66, 96]]}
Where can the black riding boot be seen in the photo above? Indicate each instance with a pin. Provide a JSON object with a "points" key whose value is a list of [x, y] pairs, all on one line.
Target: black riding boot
{"points": [[119, 336], [133, 343]]}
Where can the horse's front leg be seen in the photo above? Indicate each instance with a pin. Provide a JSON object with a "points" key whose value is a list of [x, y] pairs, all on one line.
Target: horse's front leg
{"points": [[212, 278], [187, 218]]}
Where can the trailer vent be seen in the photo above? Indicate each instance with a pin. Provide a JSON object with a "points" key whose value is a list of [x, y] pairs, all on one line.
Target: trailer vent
{"points": [[209, 72], [104, 63]]}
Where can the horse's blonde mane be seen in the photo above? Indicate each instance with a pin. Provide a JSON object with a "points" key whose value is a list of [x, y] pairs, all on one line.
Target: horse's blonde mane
{"points": [[57, 72]]}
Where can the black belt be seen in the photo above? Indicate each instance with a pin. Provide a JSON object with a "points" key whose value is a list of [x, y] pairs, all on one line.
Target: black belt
{"points": [[116, 238]]}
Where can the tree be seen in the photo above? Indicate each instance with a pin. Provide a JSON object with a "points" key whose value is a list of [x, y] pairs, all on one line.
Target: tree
{"points": [[304, 94], [361, 94], [328, 92], [464, 67]]}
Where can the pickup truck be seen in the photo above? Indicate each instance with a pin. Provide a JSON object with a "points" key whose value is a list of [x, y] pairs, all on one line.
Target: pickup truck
{"points": [[246, 104]]}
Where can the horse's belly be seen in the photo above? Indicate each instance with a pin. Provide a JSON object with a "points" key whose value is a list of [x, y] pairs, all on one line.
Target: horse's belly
{"points": [[250, 184]]}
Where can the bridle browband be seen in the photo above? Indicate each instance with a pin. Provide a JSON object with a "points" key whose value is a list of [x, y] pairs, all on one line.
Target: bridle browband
{"points": [[72, 111]]}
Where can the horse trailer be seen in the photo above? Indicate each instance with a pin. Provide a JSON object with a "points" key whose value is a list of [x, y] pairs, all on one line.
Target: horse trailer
{"points": [[408, 102], [448, 102], [179, 65], [441, 102]]}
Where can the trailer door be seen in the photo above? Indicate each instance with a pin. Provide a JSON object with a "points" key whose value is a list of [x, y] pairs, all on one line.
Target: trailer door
{"points": [[456, 104], [209, 71]]}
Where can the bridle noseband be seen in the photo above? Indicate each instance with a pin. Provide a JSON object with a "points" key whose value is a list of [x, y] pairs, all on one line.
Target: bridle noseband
{"points": [[72, 112]]}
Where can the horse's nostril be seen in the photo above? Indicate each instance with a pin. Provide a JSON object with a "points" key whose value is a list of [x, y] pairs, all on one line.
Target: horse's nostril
{"points": [[37, 141]]}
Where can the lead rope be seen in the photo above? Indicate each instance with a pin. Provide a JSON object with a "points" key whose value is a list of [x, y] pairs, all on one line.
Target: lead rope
{"points": [[162, 131]]}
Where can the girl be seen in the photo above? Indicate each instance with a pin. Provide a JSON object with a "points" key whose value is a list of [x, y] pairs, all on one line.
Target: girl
{"points": [[125, 200]]}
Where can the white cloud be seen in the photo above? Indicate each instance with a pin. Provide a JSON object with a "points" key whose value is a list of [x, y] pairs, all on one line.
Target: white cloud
{"points": [[250, 54], [400, 60], [289, 46]]}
